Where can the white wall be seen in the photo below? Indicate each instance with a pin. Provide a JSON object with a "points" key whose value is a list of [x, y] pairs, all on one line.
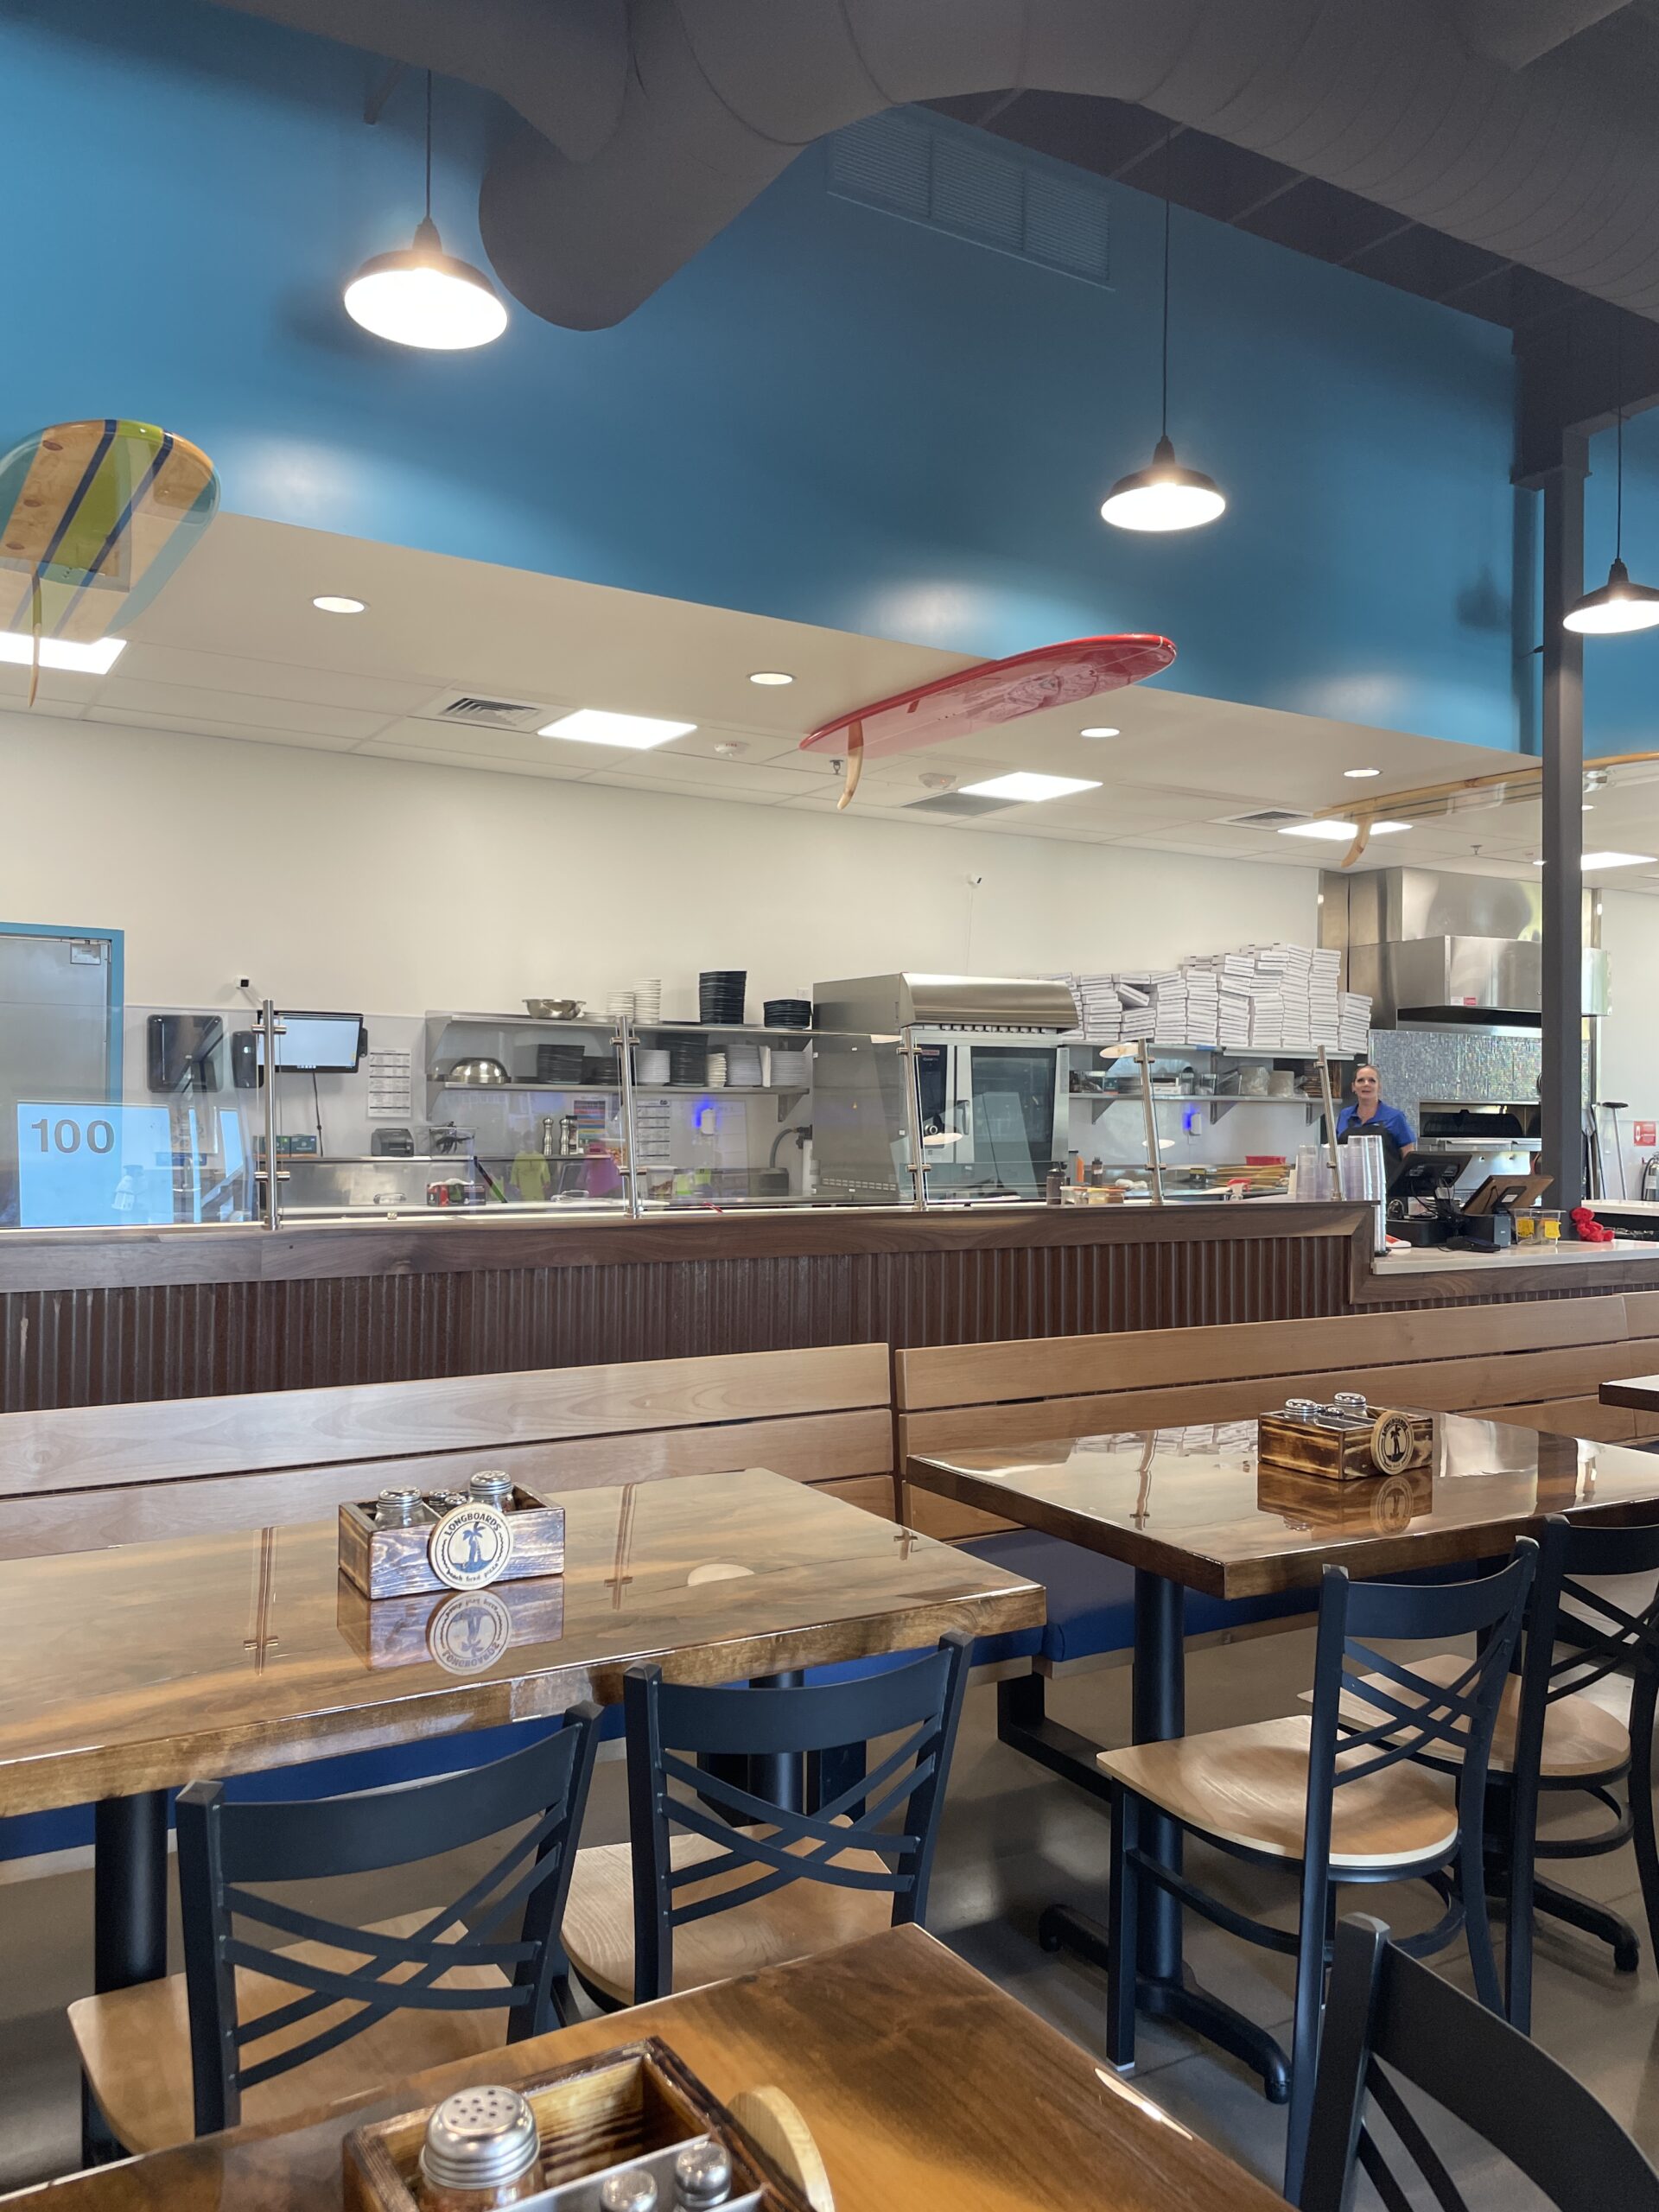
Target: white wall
{"points": [[1629, 1054], [395, 886]]}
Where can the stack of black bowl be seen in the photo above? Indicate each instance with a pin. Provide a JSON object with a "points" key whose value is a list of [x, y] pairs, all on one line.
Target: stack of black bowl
{"points": [[719, 996], [687, 1062], [789, 1014], [559, 1064]]}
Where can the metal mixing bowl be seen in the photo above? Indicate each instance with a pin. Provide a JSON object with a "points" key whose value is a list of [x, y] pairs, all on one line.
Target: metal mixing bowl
{"points": [[554, 1009], [479, 1073]]}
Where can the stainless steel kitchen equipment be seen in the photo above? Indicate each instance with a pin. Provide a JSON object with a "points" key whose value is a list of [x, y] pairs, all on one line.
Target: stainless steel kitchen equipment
{"points": [[1434, 946], [979, 1085], [554, 1009], [477, 1075]]}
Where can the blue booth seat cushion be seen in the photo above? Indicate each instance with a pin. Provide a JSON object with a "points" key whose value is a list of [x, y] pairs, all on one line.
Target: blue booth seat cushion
{"points": [[1091, 1598]]}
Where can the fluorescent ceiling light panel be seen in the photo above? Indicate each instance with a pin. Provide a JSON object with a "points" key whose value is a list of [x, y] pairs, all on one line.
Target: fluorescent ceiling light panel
{"points": [[1391, 828], [1025, 784], [1614, 860], [595, 725], [1333, 832], [97, 658]]}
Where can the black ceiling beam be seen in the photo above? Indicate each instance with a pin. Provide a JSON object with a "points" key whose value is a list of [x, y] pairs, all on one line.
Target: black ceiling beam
{"points": [[1579, 363]]}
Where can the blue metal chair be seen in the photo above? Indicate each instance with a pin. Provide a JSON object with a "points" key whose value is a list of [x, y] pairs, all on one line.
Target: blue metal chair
{"points": [[719, 1880], [256, 2011], [1337, 1797], [1389, 2021]]}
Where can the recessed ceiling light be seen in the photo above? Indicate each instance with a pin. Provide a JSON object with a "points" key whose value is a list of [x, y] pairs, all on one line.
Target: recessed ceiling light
{"points": [[595, 726], [1334, 830], [333, 603], [1101, 729], [771, 675], [96, 659], [1023, 784], [1358, 775], [1613, 860]]}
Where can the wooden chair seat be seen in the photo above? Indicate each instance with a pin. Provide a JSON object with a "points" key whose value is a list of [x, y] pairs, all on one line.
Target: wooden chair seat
{"points": [[792, 1923], [1582, 1738], [135, 2046], [1248, 1786]]}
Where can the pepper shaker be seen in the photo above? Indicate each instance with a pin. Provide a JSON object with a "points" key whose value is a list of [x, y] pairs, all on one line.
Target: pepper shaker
{"points": [[399, 1507], [702, 2177], [482, 2152], [490, 1486]]}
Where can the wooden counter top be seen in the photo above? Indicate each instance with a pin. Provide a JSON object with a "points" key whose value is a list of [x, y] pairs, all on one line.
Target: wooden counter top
{"points": [[923, 2084], [99, 1259]]}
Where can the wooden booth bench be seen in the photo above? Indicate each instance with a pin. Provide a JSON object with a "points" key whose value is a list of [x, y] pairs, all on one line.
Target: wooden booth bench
{"points": [[83, 1477]]}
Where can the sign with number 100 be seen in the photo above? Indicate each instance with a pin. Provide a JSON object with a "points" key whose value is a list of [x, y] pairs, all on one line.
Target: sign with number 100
{"points": [[82, 1166]]}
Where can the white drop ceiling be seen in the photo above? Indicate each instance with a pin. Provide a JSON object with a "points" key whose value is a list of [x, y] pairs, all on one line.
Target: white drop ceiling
{"points": [[233, 650]]}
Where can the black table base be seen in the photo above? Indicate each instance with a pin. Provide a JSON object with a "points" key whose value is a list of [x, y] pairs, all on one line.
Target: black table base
{"points": [[1164, 1989]]}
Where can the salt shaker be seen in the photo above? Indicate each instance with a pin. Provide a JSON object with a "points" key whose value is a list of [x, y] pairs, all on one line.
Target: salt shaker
{"points": [[702, 2177], [400, 1507], [632, 2191], [490, 1486], [482, 2152], [440, 1502]]}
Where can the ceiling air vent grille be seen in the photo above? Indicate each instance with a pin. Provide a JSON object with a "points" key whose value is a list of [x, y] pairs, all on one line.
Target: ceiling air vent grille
{"points": [[480, 713], [958, 804], [933, 171], [1266, 817]]}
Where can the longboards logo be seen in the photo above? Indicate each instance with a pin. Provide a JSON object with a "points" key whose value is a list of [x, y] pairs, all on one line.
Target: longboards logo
{"points": [[470, 1546]]}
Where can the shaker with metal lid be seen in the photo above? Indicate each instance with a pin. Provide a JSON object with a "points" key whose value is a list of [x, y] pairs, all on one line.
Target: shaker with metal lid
{"points": [[632, 2191], [482, 2150], [702, 2177], [492, 1487], [401, 1507], [441, 1501]]}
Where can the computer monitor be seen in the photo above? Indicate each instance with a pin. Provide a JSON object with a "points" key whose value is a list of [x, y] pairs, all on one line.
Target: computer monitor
{"points": [[316, 1044]]}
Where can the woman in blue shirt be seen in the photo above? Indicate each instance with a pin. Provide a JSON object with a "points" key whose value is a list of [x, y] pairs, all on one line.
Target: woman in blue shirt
{"points": [[1369, 1116]]}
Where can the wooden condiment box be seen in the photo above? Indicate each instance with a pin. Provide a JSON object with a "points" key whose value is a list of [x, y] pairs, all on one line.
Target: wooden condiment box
{"points": [[392, 1562], [595, 2113], [1383, 1440]]}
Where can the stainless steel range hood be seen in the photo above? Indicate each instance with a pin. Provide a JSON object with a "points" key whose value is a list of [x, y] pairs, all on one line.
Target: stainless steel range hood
{"points": [[1448, 949], [883, 1003]]}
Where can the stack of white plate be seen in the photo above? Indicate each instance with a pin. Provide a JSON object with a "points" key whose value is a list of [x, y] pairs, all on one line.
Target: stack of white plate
{"points": [[743, 1070], [715, 1078], [651, 1064], [620, 1002], [648, 1000], [788, 1068]]}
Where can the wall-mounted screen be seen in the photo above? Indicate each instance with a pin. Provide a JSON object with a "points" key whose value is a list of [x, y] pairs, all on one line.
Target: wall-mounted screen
{"points": [[316, 1044]]}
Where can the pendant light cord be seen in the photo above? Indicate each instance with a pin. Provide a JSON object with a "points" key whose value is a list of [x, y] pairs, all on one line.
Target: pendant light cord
{"points": [[429, 145], [1163, 424], [1618, 469]]}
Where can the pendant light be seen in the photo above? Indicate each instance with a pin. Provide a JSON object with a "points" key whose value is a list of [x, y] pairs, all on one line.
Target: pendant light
{"points": [[1165, 496], [1619, 604], [422, 295]]}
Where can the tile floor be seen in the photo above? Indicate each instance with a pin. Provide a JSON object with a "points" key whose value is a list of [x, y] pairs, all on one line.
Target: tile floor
{"points": [[1015, 1839]]}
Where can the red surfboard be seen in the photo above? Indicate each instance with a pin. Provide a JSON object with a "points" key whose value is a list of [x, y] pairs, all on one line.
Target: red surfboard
{"points": [[995, 691]]}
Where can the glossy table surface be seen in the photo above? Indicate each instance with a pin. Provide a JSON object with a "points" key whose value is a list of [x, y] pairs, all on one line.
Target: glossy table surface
{"points": [[923, 2084], [1194, 1504], [1641, 1391], [146, 1665]]}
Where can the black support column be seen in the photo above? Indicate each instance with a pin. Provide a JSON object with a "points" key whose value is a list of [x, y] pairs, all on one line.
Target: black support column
{"points": [[1562, 724]]}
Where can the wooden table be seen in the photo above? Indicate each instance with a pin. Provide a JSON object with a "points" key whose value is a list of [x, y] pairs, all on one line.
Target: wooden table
{"points": [[128, 1672], [1641, 1391], [924, 2085], [1191, 1509]]}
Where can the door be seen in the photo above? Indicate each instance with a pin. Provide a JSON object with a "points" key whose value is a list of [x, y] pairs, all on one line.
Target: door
{"points": [[59, 1028]]}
